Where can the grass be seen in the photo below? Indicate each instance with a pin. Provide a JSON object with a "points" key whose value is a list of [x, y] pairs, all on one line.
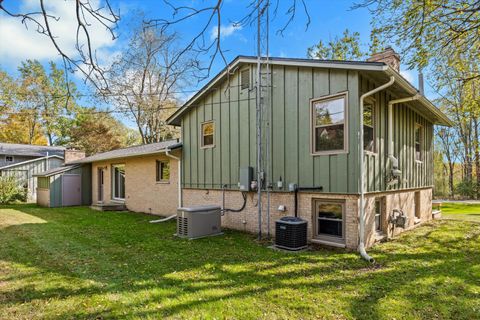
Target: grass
{"points": [[462, 211], [75, 263]]}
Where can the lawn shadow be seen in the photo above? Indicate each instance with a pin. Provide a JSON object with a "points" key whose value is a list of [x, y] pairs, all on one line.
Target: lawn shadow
{"points": [[122, 254]]}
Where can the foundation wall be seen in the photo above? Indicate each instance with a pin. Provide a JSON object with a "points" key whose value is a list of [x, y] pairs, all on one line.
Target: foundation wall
{"points": [[247, 220]]}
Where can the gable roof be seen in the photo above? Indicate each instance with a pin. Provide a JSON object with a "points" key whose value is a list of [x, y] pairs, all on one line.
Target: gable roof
{"points": [[13, 165], [54, 171], [15, 149], [373, 68], [145, 149]]}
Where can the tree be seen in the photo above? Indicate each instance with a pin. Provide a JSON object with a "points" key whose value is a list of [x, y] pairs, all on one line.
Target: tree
{"points": [[345, 48], [88, 15], [46, 97], [95, 132], [430, 32], [145, 80]]}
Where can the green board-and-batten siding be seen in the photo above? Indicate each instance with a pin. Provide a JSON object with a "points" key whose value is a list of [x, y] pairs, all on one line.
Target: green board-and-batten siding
{"points": [[233, 111]]}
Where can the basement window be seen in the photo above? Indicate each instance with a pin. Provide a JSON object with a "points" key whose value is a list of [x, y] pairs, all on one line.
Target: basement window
{"points": [[9, 159], [208, 134], [328, 124], [369, 127], [163, 171], [418, 142], [329, 219], [245, 79]]}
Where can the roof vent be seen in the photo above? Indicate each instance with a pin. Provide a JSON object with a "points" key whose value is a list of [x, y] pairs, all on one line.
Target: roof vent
{"points": [[388, 56], [245, 79]]}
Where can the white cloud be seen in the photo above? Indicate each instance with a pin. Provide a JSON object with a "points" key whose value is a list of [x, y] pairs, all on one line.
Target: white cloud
{"points": [[225, 31], [409, 75], [19, 43]]}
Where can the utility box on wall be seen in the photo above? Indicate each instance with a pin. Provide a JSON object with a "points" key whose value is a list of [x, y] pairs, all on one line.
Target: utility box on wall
{"points": [[246, 176]]}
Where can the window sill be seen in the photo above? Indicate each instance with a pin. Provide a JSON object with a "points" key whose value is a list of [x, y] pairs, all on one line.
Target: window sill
{"points": [[370, 153], [328, 243], [118, 200], [208, 147], [418, 161], [328, 153], [163, 182]]}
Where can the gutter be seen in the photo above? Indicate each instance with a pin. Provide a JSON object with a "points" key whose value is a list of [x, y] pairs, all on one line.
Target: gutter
{"points": [[361, 245], [180, 194]]}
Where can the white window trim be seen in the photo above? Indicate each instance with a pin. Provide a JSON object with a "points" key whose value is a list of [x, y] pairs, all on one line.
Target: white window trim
{"points": [[345, 124], [381, 200], [326, 237], [201, 135], [114, 182], [13, 158]]}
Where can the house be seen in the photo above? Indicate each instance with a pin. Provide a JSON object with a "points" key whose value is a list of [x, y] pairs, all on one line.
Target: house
{"points": [[140, 178], [67, 185], [352, 188], [23, 161]]}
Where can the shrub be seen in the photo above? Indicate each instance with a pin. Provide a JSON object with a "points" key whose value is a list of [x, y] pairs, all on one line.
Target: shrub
{"points": [[467, 188], [10, 191]]}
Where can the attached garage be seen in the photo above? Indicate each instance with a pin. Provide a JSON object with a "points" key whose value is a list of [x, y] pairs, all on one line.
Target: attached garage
{"points": [[64, 186]]}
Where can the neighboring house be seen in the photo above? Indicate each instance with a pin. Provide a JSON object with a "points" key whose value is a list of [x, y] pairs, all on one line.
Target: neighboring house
{"points": [[141, 178], [23, 161], [314, 139], [68, 185]]}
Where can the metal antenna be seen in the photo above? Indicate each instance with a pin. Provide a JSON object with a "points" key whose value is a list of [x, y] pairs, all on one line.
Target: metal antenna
{"points": [[259, 121], [263, 113]]}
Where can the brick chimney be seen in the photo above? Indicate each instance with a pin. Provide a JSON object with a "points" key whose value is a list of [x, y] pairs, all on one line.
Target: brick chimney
{"points": [[388, 56], [71, 155]]}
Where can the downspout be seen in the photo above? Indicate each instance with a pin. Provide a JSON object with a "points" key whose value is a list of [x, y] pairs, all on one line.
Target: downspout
{"points": [[180, 195], [361, 245], [391, 157]]}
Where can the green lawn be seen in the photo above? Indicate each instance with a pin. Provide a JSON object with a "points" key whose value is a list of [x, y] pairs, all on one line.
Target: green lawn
{"points": [[470, 212], [76, 263]]}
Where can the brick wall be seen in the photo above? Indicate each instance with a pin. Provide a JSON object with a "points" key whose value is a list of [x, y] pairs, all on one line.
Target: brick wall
{"points": [[142, 192], [247, 220]]}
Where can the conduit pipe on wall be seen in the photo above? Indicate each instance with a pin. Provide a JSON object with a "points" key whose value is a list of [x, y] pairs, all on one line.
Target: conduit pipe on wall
{"points": [[391, 157], [361, 245]]}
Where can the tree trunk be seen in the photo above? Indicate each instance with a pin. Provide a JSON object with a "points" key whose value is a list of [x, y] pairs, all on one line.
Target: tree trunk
{"points": [[477, 155]]}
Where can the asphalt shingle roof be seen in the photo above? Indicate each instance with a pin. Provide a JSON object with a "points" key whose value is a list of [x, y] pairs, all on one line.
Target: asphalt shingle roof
{"points": [[132, 151], [15, 149]]}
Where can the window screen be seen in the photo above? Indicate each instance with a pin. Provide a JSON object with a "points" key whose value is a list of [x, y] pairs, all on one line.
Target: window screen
{"points": [[208, 132], [369, 127], [163, 171], [329, 125], [329, 219]]}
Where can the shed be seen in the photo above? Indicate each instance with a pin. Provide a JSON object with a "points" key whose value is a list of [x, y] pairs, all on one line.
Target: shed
{"points": [[68, 185]]}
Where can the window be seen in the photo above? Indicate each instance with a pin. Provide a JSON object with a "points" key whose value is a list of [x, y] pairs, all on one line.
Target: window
{"points": [[118, 182], [369, 127], [163, 171], [329, 124], [9, 158], [418, 142], [378, 215], [329, 219], [245, 79], [208, 131]]}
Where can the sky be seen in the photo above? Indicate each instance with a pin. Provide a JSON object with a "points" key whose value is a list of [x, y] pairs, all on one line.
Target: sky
{"points": [[329, 18]]}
